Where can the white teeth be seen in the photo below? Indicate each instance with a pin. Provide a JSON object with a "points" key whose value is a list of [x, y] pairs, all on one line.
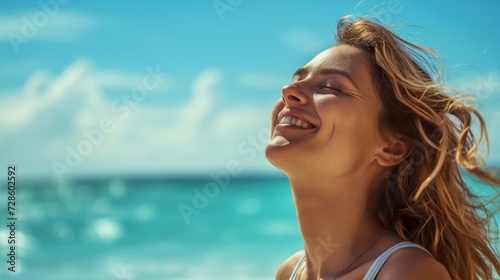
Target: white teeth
{"points": [[295, 121]]}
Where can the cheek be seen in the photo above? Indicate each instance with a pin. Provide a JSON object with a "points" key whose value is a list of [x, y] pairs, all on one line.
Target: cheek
{"points": [[328, 107], [349, 128], [334, 111], [361, 128], [361, 134]]}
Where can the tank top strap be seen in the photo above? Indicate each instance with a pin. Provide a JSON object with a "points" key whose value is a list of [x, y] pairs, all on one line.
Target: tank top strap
{"points": [[296, 269], [379, 262]]}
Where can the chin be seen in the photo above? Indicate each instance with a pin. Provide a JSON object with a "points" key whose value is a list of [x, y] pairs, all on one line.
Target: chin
{"points": [[280, 154]]}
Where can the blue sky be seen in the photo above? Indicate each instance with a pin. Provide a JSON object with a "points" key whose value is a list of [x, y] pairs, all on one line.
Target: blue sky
{"points": [[169, 87]]}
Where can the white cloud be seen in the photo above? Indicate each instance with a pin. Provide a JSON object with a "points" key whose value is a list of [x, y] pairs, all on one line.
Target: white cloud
{"points": [[43, 92], [51, 113], [58, 25], [483, 86], [306, 41]]}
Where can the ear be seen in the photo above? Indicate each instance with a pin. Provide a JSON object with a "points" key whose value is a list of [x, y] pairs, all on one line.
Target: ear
{"points": [[393, 152]]}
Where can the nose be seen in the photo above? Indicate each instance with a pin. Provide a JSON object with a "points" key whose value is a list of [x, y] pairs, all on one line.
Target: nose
{"points": [[292, 95]]}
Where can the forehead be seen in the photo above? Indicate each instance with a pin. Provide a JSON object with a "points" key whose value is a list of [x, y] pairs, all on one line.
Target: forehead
{"points": [[356, 62]]}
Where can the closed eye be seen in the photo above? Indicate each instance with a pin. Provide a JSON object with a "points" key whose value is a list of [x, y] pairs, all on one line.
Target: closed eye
{"points": [[330, 88]]}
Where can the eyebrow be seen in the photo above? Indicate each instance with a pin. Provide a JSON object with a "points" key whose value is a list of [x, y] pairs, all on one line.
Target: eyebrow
{"points": [[327, 71]]}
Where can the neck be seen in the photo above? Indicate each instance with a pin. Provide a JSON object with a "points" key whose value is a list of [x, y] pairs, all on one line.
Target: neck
{"points": [[338, 225]]}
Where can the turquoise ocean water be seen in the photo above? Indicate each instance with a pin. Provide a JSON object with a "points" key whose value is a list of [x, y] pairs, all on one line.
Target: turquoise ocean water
{"points": [[133, 229]]}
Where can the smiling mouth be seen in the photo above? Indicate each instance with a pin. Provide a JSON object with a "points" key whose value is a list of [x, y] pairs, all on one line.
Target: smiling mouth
{"points": [[297, 122]]}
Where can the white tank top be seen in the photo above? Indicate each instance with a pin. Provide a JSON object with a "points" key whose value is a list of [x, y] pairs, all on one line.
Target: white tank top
{"points": [[377, 264]]}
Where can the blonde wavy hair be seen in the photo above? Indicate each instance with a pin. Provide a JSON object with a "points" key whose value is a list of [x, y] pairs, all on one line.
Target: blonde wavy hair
{"points": [[425, 198]]}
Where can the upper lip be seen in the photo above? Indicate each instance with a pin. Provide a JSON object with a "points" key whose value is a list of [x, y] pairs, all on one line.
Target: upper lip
{"points": [[293, 113]]}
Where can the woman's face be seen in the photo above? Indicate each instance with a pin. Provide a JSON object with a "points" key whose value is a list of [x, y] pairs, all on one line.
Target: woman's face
{"points": [[326, 119]]}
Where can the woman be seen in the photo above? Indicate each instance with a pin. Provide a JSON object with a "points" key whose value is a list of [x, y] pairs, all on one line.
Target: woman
{"points": [[373, 148]]}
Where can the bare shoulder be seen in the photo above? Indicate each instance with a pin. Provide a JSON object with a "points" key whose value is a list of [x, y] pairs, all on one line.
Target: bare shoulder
{"points": [[412, 264], [286, 268]]}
